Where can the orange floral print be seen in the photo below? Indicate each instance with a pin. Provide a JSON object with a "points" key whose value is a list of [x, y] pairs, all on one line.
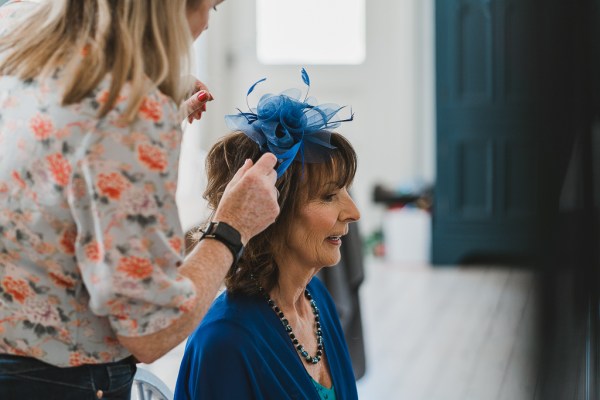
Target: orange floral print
{"points": [[175, 243], [135, 267], [41, 126], [105, 356], [62, 133], [103, 97], [44, 248], [18, 352], [93, 252], [171, 187], [67, 195], [64, 335], [188, 305], [67, 240], [59, 168], [76, 359], [62, 280], [17, 177], [111, 341], [151, 110], [153, 157], [36, 352], [170, 139], [17, 288], [112, 185]]}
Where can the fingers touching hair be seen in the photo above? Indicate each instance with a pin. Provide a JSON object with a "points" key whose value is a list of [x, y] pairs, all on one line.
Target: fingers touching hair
{"points": [[222, 162]]}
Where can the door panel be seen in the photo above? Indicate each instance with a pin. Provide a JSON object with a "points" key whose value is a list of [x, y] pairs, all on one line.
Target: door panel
{"points": [[474, 165], [495, 125], [474, 72]]}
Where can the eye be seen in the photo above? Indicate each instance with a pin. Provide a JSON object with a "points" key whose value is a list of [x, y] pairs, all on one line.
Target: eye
{"points": [[328, 197]]}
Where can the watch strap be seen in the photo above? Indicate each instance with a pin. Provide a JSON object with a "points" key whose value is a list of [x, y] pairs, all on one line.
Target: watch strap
{"points": [[227, 235]]}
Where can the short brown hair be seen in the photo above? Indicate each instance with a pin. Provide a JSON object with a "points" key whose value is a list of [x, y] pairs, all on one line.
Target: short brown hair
{"points": [[299, 184]]}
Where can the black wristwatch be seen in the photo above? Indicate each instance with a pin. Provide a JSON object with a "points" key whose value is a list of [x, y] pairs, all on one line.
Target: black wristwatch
{"points": [[227, 235]]}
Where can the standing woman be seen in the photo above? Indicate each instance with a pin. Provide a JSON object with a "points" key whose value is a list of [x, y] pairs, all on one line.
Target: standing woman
{"points": [[92, 277]]}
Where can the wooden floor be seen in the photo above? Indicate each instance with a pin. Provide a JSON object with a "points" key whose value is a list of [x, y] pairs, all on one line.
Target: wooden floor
{"points": [[448, 333], [451, 333]]}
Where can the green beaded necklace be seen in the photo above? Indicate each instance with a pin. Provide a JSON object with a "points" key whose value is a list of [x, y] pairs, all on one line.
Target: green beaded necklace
{"points": [[288, 328]]}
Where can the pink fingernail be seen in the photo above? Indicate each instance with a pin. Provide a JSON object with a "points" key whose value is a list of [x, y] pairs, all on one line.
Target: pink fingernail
{"points": [[202, 96]]}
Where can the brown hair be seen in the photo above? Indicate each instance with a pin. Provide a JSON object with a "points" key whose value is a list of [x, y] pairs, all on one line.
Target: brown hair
{"points": [[298, 185], [143, 42]]}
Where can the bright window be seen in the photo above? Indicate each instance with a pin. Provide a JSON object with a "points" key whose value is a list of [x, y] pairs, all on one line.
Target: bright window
{"points": [[310, 31]]}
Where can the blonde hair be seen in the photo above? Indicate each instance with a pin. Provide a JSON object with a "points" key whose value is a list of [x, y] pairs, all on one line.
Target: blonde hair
{"points": [[141, 42]]}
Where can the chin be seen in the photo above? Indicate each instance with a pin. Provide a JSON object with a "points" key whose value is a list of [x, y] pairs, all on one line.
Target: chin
{"points": [[333, 263]]}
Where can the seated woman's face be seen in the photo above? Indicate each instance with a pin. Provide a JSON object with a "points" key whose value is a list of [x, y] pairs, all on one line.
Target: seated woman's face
{"points": [[316, 232]]}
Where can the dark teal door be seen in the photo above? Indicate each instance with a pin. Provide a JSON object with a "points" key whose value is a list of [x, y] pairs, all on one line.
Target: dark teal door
{"points": [[502, 101]]}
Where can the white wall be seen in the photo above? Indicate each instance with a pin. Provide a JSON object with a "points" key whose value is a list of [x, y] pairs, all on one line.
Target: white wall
{"points": [[391, 93]]}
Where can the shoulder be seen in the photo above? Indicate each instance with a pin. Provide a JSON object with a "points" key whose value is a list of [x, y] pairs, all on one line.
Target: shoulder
{"points": [[152, 138], [224, 343], [230, 319], [156, 110], [219, 352]]}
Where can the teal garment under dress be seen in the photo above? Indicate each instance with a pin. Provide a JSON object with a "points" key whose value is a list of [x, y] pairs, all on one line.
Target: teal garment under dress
{"points": [[324, 393], [242, 351]]}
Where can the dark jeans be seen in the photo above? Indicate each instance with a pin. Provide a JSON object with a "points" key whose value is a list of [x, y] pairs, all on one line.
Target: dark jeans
{"points": [[24, 378]]}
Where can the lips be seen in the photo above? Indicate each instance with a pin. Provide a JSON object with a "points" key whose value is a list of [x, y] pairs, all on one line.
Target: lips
{"points": [[337, 237]]}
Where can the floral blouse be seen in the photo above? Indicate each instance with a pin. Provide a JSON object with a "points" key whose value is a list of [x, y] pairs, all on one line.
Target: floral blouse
{"points": [[90, 238]]}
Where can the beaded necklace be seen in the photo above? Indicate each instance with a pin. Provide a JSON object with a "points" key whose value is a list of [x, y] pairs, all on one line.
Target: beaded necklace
{"points": [[288, 328]]}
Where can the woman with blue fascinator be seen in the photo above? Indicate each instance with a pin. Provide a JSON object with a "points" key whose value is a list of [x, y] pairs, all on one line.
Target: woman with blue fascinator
{"points": [[275, 333]]}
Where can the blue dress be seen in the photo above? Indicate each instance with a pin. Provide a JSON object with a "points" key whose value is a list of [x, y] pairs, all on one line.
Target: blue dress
{"points": [[241, 351]]}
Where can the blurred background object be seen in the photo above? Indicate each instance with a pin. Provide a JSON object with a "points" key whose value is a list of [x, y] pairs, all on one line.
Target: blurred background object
{"points": [[517, 105], [343, 282]]}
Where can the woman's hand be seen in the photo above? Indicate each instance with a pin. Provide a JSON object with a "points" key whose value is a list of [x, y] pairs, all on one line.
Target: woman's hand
{"points": [[249, 202], [195, 105]]}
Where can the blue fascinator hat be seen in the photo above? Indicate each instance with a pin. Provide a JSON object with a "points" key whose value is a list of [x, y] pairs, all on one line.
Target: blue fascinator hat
{"points": [[291, 128]]}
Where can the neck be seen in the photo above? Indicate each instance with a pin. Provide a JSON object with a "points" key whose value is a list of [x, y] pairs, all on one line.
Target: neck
{"points": [[289, 292]]}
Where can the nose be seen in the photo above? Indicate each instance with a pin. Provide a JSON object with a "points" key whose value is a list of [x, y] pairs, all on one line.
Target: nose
{"points": [[349, 212]]}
